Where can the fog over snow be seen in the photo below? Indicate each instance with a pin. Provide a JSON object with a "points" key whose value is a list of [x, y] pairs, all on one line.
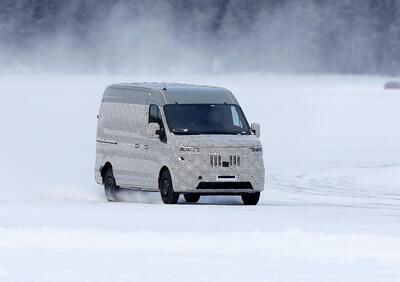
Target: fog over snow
{"points": [[209, 36]]}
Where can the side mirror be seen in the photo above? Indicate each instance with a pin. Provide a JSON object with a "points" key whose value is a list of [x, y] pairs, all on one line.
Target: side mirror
{"points": [[152, 130], [160, 132], [255, 127]]}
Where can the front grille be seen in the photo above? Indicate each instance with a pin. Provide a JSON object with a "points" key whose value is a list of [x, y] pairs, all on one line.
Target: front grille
{"points": [[224, 185], [216, 161]]}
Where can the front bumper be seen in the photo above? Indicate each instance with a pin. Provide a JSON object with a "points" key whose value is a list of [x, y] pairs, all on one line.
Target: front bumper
{"points": [[197, 173]]}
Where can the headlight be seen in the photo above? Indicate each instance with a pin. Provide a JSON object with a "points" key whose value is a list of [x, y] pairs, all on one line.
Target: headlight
{"points": [[189, 149], [256, 149]]}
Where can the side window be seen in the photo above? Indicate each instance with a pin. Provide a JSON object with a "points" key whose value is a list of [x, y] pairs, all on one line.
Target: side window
{"points": [[155, 115], [235, 117]]}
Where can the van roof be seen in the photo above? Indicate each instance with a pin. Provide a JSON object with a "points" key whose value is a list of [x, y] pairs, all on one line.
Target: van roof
{"points": [[172, 93]]}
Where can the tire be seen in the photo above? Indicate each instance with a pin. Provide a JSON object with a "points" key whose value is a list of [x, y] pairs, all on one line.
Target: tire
{"points": [[110, 186], [251, 199], [192, 197], [168, 195]]}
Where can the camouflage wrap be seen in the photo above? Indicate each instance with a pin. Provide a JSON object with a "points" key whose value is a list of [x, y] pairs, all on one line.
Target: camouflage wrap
{"points": [[137, 156]]}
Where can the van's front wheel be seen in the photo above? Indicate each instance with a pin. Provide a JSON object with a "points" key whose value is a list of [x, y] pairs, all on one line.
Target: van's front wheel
{"points": [[110, 186], [168, 195], [251, 199]]}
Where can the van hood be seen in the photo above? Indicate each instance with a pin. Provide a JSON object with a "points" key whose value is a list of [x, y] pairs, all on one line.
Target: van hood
{"points": [[214, 141]]}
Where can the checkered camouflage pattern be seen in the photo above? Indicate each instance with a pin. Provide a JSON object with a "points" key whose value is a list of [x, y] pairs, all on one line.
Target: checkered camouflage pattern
{"points": [[137, 156]]}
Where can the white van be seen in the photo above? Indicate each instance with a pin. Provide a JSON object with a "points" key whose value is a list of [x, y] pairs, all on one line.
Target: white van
{"points": [[177, 139]]}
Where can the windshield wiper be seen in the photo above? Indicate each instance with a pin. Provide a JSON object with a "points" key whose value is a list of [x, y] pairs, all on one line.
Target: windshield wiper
{"points": [[221, 132], [184, 131], [176, 130]]}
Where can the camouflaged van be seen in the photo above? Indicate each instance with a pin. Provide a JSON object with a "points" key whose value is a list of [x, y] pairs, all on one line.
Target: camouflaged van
{"points": [[177, 139]]}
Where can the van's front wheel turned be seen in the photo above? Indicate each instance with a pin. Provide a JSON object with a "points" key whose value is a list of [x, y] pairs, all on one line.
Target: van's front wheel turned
{"points": [[110, 186], [251, 199], [191, 197], [168, 195]]}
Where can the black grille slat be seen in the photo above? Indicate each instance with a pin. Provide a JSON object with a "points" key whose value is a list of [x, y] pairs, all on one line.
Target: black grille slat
{"points": [[224, 185], [217, 161]]}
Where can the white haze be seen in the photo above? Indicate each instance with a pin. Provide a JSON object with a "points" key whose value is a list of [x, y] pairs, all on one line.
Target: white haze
{"points": [[162, 37]]}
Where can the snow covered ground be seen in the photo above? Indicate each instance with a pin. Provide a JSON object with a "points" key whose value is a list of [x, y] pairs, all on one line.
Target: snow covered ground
{"points": [[330, 211]]}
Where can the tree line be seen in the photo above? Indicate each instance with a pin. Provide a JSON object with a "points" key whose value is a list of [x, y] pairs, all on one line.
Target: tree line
{"points": [[342, 36]]}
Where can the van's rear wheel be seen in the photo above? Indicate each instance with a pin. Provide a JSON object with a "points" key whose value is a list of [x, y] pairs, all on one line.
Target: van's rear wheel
{"points": [[192, 197], [110, 186], [168, 195], [251, 199]]}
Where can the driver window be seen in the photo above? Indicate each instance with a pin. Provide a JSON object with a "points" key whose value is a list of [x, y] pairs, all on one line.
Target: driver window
{"points": [[155, 115]]}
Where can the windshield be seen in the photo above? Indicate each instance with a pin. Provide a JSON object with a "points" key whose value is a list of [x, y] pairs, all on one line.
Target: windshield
{"points": [[206, 119]]}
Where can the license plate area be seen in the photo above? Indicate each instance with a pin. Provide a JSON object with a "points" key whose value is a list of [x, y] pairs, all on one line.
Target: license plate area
{"points": [[226, 178]]}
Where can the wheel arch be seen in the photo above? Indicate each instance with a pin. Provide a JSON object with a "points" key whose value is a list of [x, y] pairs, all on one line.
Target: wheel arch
{"points": [[104, 168]]}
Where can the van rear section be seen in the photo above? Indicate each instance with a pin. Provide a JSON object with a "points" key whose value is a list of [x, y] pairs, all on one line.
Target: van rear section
{"points": [[177, 139]]}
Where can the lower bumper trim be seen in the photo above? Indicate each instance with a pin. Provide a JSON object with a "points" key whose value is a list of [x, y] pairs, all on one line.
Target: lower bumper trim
{"points": [[224, 186]]}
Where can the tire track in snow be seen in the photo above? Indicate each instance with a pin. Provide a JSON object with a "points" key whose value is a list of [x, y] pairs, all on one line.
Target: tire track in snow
{"points": [[375, 187]]}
